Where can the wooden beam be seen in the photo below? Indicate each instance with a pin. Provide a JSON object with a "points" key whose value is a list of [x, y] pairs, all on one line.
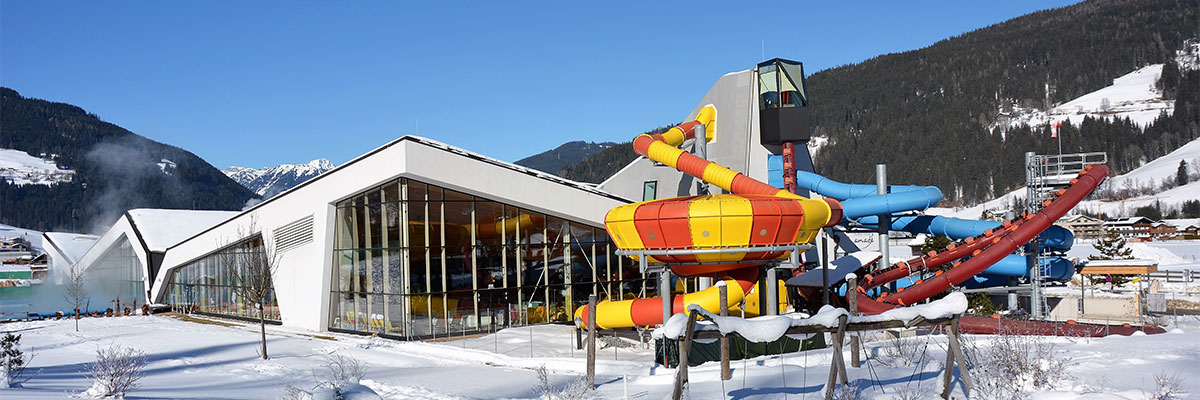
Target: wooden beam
{"points": [[1119, 270]]}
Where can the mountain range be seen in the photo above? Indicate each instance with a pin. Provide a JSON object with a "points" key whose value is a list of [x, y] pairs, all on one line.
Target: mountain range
{"points": [[270, 181]]}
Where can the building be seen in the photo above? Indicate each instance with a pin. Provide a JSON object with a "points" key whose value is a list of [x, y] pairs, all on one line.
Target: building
{"points": [[1084, 227], [418, 238], [120, 263], [1134, 228]]}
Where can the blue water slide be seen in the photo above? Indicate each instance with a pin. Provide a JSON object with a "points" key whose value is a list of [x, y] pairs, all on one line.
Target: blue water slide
{"points": [[1055, 238]]}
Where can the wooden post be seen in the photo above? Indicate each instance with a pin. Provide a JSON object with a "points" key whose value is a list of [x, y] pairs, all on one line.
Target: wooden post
{"points": [[724, 296], [956, 346], [591, 342], [837, 367], [948, 375], [685, 347], [852, 296]]}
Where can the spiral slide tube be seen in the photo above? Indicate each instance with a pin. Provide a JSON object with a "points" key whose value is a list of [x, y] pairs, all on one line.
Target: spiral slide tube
{"points": [[985, 250], [863, 204], [755, 214]]}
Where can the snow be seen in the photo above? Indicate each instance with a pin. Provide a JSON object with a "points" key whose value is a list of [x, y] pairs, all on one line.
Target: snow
{"points": [[1120, 263], [273, 180], [165, 228], [1152, 173], [1131, 96], [72, 245], [34, 237], [194, 360], [166, 166], [771, 327], [20, 168], [1170, 255]]}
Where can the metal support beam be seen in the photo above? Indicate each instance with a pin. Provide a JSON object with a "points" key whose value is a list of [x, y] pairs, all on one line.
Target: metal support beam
{"points": [[881, 187], [772, 291]]}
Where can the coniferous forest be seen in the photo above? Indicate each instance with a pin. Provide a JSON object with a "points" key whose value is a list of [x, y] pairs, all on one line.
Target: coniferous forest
{"points": [[115, 170]]}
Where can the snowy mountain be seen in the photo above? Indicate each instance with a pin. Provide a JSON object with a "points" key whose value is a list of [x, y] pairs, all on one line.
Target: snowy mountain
{"points": [[1146, 178], [20, 168], [1133, 96], [270, 181]]}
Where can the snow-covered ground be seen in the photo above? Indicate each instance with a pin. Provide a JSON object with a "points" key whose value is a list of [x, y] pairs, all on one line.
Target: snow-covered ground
{"points": [[1152, 173], [195, 360], [1131, 96], [34, 237], [20, 168]]}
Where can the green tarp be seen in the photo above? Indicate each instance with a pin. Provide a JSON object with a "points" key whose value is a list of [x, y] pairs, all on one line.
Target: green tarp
{"points": [[738, 349]]}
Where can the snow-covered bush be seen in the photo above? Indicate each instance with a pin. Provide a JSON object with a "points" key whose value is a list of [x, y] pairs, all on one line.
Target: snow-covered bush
{"points": [[1007, 365], [847, 392], [115, 372], [13, 362], [1167, 387], [337, 379], [576, 390], [901, 352]]}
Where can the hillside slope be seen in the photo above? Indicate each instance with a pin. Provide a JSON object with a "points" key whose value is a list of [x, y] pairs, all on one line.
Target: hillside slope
{"points": [[114, 170], [551, 161]]}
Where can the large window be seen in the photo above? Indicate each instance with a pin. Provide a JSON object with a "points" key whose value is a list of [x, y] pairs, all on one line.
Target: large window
{"points": [[207, 284], [463, 263], [117, 277]]}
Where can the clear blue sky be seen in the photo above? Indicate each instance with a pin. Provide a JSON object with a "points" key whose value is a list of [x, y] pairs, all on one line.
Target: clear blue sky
{"points": [[261, 83]]}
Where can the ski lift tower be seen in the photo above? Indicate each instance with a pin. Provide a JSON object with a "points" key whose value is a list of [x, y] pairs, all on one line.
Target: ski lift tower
{"points": [[1044, 176]]}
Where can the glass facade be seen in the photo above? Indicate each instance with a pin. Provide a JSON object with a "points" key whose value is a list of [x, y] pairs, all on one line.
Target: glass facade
{"points": [[416, 260], [206, 285], [117, 276]]}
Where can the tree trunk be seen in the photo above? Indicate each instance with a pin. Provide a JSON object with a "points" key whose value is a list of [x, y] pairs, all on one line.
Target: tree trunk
{"points": [[262, 329]]}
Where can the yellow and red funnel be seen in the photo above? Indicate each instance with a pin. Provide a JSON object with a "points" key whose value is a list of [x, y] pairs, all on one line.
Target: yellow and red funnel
{"points": [[755, 214]]}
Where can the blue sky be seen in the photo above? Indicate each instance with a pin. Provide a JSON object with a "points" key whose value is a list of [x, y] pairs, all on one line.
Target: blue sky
{"points": [[261, 83]]}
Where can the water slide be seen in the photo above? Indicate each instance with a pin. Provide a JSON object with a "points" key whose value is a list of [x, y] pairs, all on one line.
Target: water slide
{"points": [[863, 204], [985, 250], [754, 215]]}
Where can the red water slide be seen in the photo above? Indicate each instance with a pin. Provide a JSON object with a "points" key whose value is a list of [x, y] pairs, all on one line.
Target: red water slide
{"points": [[985, 250]]}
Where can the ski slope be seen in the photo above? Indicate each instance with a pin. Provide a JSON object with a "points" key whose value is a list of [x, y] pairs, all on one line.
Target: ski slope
{"points": [[20, 168]]}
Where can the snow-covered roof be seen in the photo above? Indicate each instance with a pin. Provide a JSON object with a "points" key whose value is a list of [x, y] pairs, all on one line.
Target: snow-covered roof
{"points": [[453, 150], [1130, 221], [70, 245], [528, 171], [1120, 263], [159, 229]]}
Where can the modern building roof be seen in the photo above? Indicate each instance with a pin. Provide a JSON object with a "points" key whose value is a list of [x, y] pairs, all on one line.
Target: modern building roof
{"points": [[69, 246]]}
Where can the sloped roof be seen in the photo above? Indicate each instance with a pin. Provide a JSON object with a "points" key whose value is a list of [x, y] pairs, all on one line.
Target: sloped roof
{"points": [[159, 229], [70, 245]]}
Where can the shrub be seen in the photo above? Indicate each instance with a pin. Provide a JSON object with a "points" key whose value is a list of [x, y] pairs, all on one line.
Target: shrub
{"points": [[116, 371], [13, 362], [1009, 365]]}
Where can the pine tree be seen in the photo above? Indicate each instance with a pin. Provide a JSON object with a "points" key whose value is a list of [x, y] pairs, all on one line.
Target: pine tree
{"points": [[1112, 247], [1181, 174]]}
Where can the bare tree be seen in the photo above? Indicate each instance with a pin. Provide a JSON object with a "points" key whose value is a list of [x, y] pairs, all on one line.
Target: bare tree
{"points": [[250, 264], [75, 290]]}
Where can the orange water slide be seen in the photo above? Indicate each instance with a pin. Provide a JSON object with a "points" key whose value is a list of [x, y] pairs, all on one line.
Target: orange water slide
{"points": [[755, 215]]}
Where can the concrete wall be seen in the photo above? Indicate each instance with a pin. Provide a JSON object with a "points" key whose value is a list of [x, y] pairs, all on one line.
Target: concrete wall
{"points": [[735, 145]]}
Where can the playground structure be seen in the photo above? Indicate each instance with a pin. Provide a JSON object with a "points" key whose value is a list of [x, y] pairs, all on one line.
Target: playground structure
{"points": [[740, 236]]}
